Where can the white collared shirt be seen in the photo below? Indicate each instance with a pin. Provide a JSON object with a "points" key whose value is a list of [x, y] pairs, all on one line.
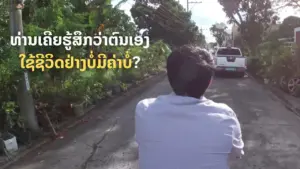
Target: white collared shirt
{"points": [[176, 132]]}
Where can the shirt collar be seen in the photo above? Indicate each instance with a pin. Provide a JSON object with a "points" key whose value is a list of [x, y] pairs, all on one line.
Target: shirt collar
{"points": [[175, 99]]}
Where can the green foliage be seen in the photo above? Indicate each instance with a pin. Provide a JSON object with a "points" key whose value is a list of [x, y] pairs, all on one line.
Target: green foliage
{"points": [[275, 61], [252, 18], [168, 21], [278, 60], [285, 30], [288, 25], [57, 87], [219, 33], [13, 118]]}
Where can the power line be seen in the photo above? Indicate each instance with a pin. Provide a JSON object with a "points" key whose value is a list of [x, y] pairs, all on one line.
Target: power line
{"points": [[193, 2], [188, 9]]}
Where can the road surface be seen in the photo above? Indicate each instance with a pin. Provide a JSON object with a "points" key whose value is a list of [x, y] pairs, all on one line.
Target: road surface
{"points": [[270, 131]]}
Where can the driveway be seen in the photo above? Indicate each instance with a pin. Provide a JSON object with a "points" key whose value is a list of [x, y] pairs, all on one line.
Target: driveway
{"points": [[270, 131]]}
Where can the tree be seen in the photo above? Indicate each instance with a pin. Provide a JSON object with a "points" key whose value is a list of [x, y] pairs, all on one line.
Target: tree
{"points": [[252, 17], [288, 25], [219, 32], [285, 30], [287, 3], [166, 20]]}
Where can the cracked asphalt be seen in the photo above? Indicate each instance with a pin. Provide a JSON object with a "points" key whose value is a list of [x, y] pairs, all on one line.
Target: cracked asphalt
{"points": [[270, 131]]}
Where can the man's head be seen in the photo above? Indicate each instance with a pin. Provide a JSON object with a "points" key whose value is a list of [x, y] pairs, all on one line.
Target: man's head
{"points": [[190, 70]]}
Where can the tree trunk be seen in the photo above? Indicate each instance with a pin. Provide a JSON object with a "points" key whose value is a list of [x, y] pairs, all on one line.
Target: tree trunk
{"points": [[26, 107]]}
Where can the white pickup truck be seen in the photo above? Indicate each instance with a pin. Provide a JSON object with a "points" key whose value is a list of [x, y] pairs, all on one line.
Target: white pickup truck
{"points": [[230, 59]]}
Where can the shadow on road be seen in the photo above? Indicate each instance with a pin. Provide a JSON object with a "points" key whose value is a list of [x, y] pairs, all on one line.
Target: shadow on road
{"points": [[108, 142], [228, 75], [104, 140]]}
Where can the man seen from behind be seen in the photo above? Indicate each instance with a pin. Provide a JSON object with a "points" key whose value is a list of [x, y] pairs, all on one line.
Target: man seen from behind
{"points": [[185, 130]]}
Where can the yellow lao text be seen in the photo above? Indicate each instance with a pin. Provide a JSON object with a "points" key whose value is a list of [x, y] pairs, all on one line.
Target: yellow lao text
{"points": [[37, 61], [48, 61], [109, 61]]}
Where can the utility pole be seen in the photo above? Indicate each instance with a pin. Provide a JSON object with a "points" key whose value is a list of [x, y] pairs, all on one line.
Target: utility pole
{"points": [[232, 34], [25, 99], [232, 38], [187, 5], [194, 2]]}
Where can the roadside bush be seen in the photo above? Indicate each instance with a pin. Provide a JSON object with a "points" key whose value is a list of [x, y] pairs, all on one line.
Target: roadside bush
{"points": [[10, 74], [88, 87], [278, 64], [284, 65], [274, 61]]}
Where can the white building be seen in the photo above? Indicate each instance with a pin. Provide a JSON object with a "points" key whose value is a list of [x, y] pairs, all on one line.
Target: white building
{"points": [[297, 36]]}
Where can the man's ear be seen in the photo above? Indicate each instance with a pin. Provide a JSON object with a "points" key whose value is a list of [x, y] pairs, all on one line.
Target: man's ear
{"points": [[210, 81]]}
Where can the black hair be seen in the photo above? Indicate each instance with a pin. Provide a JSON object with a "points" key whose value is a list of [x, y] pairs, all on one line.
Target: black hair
{"points": [[190, 70]]}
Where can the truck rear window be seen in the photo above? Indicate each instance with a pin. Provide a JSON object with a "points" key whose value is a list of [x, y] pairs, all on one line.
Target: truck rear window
{"points": [[229, 52]]}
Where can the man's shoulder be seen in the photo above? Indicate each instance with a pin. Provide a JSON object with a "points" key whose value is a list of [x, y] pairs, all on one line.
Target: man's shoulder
{"points": [[145, 103], [223, 108]]}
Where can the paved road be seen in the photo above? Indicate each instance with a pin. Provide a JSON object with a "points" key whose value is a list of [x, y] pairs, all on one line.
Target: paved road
{"points": [[271, 133]]}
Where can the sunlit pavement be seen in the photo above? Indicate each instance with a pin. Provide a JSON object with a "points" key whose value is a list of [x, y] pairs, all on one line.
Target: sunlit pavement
{"points": [[270, 131]]}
